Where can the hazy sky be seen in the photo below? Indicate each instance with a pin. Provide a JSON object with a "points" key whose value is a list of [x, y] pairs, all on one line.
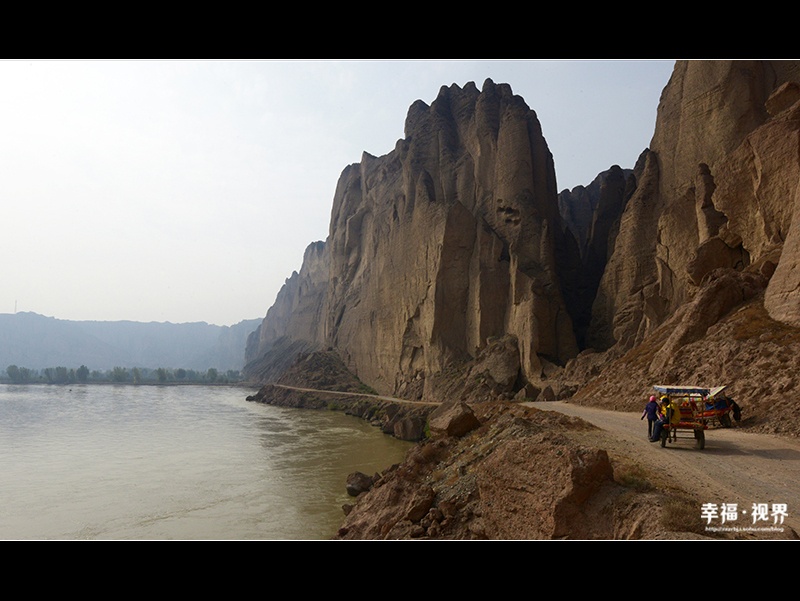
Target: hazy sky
{"points": [[188, 190]]}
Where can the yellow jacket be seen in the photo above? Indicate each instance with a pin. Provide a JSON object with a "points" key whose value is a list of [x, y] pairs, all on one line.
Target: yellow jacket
{"points": [[676, 412]]}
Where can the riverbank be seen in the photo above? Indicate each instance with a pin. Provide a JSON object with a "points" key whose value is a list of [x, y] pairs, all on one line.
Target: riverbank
{"points": [[520, 474], [513, 472], [405, 421]]}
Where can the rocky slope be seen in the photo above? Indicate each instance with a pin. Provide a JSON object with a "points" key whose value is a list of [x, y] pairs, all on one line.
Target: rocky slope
{"points": [[516, 473], [454, 272], [716, 189], [299, 385], [711, 298]]}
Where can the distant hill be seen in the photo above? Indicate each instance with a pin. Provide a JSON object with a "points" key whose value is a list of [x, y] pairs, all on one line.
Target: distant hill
{"points": [[37, 342]]}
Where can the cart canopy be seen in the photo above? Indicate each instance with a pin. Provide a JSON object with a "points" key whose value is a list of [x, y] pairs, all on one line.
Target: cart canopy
{"points": [[690, 390]]}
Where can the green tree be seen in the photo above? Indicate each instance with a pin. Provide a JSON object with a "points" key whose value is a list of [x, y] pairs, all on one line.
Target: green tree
{"points": [[119, 374], [57, 375], [211, 374], [162, 374], [82, 374], [20, 375]]}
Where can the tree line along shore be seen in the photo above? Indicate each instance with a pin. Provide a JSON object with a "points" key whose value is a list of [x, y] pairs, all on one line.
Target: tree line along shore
{"points": [[120, 375]]}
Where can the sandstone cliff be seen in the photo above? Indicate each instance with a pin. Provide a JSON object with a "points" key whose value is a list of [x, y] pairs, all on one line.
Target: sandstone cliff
{"points": [[291, 324], [444, 243], [716, 189], [453, 271], [701, 286], [453, 268]]}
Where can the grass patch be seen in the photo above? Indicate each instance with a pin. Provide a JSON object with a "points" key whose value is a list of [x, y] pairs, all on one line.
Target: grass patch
{"points": [[682, 514], [634, 477], [365, 389]]}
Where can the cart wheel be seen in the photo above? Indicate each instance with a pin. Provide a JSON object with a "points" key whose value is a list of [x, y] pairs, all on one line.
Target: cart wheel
{"points": [[664, 436], [725, 420], [700, 439]]}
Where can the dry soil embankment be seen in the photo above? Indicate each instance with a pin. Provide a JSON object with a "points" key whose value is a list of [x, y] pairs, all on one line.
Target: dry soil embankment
{"points": [[734, 467]]}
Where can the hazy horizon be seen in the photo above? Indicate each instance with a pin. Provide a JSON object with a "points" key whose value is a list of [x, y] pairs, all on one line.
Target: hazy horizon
{"points": [[36, 341], [57, 318], [187, 191]]}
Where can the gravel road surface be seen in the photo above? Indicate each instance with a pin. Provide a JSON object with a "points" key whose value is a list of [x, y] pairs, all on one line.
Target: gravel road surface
{"points": [[735, 467]]}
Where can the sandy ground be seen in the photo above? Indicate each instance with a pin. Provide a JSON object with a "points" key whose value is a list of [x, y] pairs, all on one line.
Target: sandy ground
{"points": [[735, 467]]}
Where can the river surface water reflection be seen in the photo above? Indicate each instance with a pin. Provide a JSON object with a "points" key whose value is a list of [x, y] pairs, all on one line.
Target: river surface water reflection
{"points": [[175, 462]]}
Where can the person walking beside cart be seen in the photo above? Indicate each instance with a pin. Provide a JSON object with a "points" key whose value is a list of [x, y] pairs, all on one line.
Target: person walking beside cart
{"points": [[651, 413], [671, 415]]}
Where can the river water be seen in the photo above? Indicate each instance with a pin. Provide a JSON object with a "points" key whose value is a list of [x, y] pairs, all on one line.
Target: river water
{"points": [[175, 462]]}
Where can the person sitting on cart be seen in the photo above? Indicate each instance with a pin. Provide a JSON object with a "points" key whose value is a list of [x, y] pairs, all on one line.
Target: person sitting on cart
{"points": [[671, 415]]}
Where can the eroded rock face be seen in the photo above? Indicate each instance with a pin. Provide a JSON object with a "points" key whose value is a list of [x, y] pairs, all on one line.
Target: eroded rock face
{"points": [[716, 190], [447, 241], [628, 294], [434, 248], [724, 290], [291, 325], [456, 238], [761, 195]]}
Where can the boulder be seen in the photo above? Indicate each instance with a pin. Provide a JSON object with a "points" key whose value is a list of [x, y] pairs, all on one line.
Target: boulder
{"points": [[452, 419], [421, 503], [410, 427], [497, 365], [547, 394], [358, 483]]}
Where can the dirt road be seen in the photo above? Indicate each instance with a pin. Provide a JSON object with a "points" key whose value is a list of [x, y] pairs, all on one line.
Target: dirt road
{"points": [[736, 467], [351, 394]]}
